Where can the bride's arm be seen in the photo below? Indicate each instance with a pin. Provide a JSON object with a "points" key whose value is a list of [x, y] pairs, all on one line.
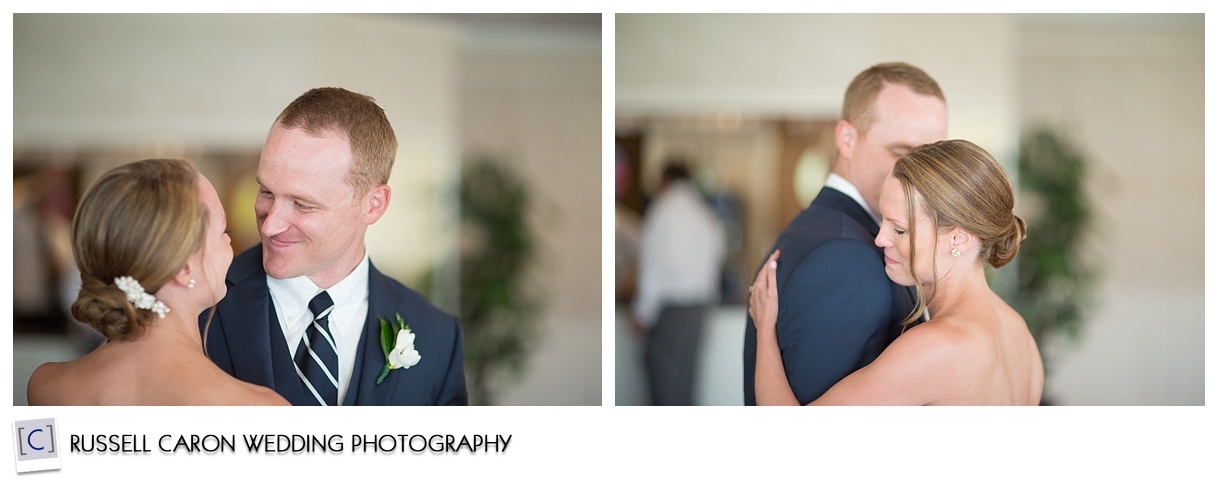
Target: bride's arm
{"points": [[770, 379], [914, 370], [920, 367]]}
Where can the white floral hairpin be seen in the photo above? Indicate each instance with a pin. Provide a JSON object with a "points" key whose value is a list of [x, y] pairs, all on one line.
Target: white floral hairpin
{"points": [[138, 297]]}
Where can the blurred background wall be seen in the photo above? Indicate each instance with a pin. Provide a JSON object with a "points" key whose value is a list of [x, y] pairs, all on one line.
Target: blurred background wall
{"points": [[95, 91], [751, 100]]}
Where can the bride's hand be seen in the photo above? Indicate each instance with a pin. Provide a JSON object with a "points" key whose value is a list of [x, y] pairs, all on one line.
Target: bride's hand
{"points": [[763, 295]]}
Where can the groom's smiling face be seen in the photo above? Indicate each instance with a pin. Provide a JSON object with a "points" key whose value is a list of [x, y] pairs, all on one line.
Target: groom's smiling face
{"points": [[309, 219]]}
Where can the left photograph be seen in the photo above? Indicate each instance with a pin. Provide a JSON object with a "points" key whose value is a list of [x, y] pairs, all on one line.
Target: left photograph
{"points": [[280, 209]]}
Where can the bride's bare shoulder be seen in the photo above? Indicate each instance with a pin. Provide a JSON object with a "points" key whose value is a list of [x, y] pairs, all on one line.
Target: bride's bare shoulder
{"points": [[41, 386], [249, 394], [944, 334], [75, 382], [215, 387], [945, 345], [1026, 354], [260, 395], [914, 370], [131, 380], [930, 348]]}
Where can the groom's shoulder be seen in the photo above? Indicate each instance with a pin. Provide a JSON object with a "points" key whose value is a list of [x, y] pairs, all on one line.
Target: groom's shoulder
{"points": [[245, 264], [819, 224], [823, 236]]}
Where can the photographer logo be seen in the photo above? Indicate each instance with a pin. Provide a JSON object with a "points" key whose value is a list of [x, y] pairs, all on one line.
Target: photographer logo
{"points": [[37, 447]]}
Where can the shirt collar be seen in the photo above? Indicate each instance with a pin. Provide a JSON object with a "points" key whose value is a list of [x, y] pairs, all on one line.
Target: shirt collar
{"points": [[294, 294], [840, 184]]}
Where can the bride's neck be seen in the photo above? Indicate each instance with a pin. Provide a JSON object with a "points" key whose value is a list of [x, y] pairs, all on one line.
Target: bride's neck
{"points": [[957, 288], [176, 328]]}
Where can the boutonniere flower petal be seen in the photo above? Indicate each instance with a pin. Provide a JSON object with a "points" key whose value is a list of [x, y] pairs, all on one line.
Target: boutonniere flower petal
{"points": [[397, 341], [403, 354]]}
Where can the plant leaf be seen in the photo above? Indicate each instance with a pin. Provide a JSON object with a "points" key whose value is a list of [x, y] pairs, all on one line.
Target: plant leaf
{"points": [[387, 335]]}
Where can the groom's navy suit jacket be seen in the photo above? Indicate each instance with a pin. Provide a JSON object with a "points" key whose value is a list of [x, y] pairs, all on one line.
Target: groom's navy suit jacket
{"points": [[837, 309], [246, 341]]}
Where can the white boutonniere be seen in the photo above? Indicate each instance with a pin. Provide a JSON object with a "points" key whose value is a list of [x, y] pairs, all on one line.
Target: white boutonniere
{"points": [[397, 341]]}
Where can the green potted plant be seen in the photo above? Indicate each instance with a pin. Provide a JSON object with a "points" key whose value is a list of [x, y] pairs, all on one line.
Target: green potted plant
{"points": [[497, 303], [1055, 282]]}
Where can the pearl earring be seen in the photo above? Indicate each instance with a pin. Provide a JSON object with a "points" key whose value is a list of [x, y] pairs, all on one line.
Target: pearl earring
{"points": [[955, 252], [191, 284]]}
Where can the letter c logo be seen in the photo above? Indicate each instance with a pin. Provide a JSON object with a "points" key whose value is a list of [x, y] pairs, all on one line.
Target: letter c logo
{"points": [[30, 436]]}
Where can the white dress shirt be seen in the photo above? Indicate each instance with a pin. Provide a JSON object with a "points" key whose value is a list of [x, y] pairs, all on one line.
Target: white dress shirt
{"points": [[680, 253], [291, 297]]}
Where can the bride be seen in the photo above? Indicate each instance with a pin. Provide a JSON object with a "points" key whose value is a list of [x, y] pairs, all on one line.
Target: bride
{"points": [[946, 211], [151, 243]]}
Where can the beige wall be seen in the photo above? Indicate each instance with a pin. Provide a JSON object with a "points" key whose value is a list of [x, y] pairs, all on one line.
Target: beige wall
{"points": [[799, 65], [540, 112], [141, 82], [1129, 90]]}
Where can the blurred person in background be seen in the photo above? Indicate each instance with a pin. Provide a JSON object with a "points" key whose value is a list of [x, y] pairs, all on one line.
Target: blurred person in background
{"points": [[680, 259]]}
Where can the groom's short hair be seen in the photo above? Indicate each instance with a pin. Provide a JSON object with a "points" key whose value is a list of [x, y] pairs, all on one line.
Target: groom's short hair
{"points": [[860, 95], [356, 116]]}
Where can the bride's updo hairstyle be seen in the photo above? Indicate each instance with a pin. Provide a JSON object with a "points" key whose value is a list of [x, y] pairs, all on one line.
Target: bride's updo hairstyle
{"points": [[962, 186], [142, 220]]}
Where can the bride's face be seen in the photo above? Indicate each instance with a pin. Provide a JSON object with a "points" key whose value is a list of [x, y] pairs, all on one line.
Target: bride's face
{"points": [[217, 246], [895, 238]]}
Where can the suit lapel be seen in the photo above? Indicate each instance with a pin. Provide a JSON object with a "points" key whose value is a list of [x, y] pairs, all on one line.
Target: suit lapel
{"points": [[246, 328], [370, 358], [253, 331], [835, 199]]}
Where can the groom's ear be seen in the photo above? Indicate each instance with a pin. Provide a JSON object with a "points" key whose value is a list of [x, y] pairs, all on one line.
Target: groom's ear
{"points": [[376, 202], [844, 136]]}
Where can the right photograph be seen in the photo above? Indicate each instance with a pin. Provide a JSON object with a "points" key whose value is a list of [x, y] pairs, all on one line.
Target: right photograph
{"points": [[955, 209]]}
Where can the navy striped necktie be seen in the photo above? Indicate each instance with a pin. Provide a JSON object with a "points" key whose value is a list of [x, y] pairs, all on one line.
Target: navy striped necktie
{"points": [[317, 355]]}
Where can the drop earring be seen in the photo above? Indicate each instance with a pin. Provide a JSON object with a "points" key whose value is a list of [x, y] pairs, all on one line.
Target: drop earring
{"points": [[191, 284]]}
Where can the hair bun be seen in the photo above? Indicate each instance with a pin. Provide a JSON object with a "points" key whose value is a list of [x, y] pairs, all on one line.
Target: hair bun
{"points": [[1007, 246], [105, 308]]}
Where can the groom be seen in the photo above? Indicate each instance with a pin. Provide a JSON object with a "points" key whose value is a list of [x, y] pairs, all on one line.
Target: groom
{"points": [[837, 308], [301, 314]]}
